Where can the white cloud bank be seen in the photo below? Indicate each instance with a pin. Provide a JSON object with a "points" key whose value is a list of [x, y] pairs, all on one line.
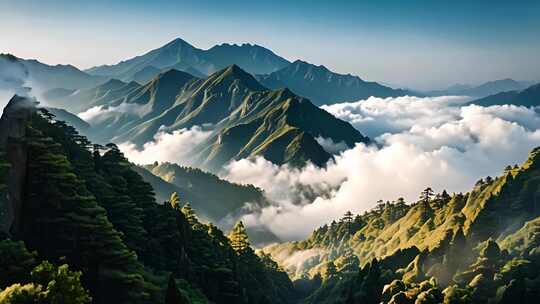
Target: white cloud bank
{"points": [[422, 142], [100, 114], [167, 147]]}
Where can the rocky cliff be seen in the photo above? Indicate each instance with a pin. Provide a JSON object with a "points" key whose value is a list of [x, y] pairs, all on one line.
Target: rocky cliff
{"points": [[12, 143]]}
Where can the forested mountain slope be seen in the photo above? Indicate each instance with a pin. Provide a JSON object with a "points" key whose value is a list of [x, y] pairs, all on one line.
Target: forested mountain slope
{"points": [[225, 197], [475, 247], [67, 201]]}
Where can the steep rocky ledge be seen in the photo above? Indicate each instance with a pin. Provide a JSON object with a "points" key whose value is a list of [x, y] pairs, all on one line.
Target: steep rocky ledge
{"points": [[12, 142]]}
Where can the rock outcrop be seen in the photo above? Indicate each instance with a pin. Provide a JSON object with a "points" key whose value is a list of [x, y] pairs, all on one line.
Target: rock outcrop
{"points": [[12, 142]]}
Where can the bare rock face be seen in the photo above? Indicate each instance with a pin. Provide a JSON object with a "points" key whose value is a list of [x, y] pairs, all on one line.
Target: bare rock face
{"points": [[13, 142]]}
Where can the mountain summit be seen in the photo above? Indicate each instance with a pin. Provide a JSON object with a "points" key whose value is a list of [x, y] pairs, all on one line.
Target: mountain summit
{"points": [[180, 55]]}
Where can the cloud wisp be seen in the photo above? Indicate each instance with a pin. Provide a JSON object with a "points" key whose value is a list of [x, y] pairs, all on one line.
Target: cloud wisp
{"points": [[98, 114], [13, 80], [175, 146], [422, 142]]}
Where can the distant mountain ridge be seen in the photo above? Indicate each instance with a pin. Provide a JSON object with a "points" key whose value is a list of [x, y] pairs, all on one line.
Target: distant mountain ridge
{"points": [[316, 83], [529, 97], [483, 90], [322, 86], [180, 55], [55, 76]]}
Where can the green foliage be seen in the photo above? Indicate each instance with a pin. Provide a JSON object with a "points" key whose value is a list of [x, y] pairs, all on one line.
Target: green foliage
{"points": [[16, 262], [22, 294], [193, 184], [478, 247], [84, 205], [239, 238], [50, 284], [174, 201], [62, 285], [63, 219], [455, 295], [190, 215]]}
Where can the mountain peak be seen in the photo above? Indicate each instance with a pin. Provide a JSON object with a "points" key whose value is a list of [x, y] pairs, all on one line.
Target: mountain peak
{"points": [[233, 68], [234, 72], [501, 81], [178, 42], [9, 56], [304, 65], [174, 77], [113, 83], [172, 73]]}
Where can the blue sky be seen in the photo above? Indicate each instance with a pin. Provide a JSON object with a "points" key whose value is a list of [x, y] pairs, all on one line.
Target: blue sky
{"points": [[420, 44]]}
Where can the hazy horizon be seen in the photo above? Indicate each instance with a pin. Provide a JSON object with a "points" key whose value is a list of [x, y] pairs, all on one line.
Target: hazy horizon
{"points": [[421, 45]]}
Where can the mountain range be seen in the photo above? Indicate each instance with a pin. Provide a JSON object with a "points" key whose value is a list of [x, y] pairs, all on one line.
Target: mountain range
{"points": [[322, 86], [529, 97], [46, 77], [180, 55], [76, 213], [247, 119], [316, 83], [482, 90]]}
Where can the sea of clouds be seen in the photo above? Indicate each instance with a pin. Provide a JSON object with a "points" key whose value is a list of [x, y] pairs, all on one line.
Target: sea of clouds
{"points": [[440, 142], [420, 142]]}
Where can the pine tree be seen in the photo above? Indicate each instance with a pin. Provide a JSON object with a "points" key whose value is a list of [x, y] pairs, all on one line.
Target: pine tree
{"points": [[330, 269], [347, 219], [190, 215], [16, 262], [239, 238], [174, 201], [123, 208], [426, 195]]}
